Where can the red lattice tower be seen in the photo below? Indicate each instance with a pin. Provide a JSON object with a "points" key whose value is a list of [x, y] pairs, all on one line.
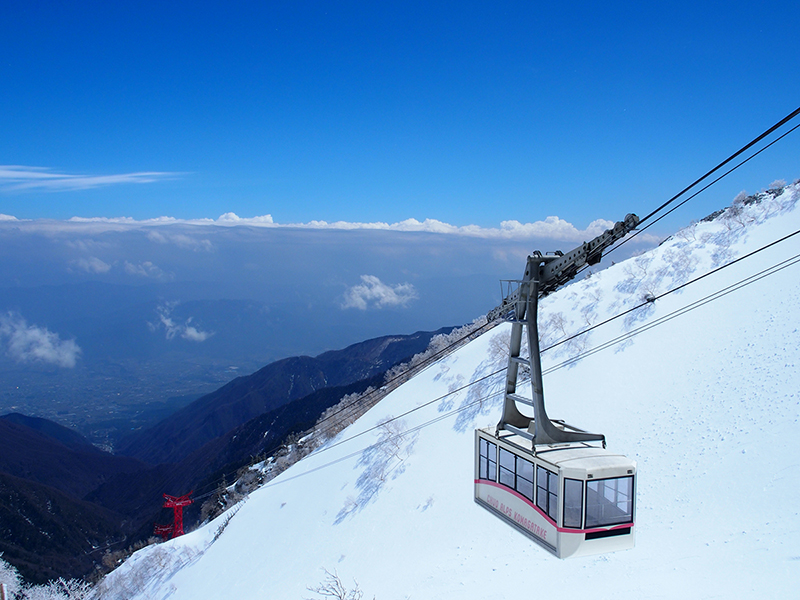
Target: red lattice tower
{"points": [[176, 503]]}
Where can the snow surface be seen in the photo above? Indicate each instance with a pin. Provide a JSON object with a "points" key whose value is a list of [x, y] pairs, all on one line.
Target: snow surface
{"points": [[707, 403]]}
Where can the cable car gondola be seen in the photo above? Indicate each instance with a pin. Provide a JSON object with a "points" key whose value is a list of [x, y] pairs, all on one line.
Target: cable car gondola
{"points": [[553, 482]]}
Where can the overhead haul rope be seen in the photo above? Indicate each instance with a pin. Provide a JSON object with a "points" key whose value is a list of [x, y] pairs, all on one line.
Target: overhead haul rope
{"points": [[589, 329], [433, 358], [743, 149], [414, 429], [674, 314], [720, 293], [681, 311], [698, 192], [450, 393], [680, 287]]}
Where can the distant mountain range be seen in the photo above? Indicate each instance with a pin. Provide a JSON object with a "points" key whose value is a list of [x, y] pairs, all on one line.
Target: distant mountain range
{"points": [[273, 386], [64, 499]]}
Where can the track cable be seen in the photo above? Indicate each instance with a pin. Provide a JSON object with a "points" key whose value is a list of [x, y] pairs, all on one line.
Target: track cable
{"points": [[775, 268], [697, 193], [429, 361], [741, 150]]}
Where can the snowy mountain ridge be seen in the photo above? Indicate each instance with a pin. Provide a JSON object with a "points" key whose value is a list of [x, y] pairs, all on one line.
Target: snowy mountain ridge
{"points": [[706, 400]]}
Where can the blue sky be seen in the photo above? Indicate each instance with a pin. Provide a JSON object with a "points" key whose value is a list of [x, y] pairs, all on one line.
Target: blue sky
{"points": [[355, 169], [468, 113]]}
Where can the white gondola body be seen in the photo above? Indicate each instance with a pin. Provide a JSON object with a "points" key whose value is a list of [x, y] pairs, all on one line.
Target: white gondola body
{"points": [[572, 499]]}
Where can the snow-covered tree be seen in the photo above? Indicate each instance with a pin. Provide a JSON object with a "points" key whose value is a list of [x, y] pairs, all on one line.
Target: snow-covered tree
{"points": [[59, 589], [10, 577]]}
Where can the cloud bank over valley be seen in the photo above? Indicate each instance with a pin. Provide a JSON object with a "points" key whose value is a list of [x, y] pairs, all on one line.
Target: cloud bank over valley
{"points": [[551, 228]]}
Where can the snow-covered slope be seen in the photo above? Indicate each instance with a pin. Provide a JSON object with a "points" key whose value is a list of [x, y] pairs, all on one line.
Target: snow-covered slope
{"points": [[708, 403]]}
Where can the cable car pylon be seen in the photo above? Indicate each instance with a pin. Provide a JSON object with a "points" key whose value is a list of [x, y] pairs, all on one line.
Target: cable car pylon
{"points": [[176, 503]]}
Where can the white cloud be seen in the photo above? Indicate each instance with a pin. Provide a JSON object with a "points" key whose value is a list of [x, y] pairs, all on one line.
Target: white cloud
{"points": [[185, 330], [373, 293], [554, 228], [92, 265], [193, 334], [157, 236], [7, 218], [230, 218], [19, 177], [29, 343], [146, 269]]}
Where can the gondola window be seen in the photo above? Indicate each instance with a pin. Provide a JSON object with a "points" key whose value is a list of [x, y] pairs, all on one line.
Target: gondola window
{"points": [[525, 478], [547, 492], [573, 503], [609, 502], [507, 468], [488, 461]]}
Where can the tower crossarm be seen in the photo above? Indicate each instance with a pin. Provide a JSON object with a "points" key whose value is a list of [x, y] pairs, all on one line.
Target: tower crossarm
{"points": [[544, 273], [551, 271], [559, 270]]}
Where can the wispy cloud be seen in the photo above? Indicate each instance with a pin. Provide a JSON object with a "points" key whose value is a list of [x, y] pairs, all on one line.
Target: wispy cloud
{"points": [[373, 293], [92, 265], [184, 330], [19, 177], [30, 343], [147, 269]]}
